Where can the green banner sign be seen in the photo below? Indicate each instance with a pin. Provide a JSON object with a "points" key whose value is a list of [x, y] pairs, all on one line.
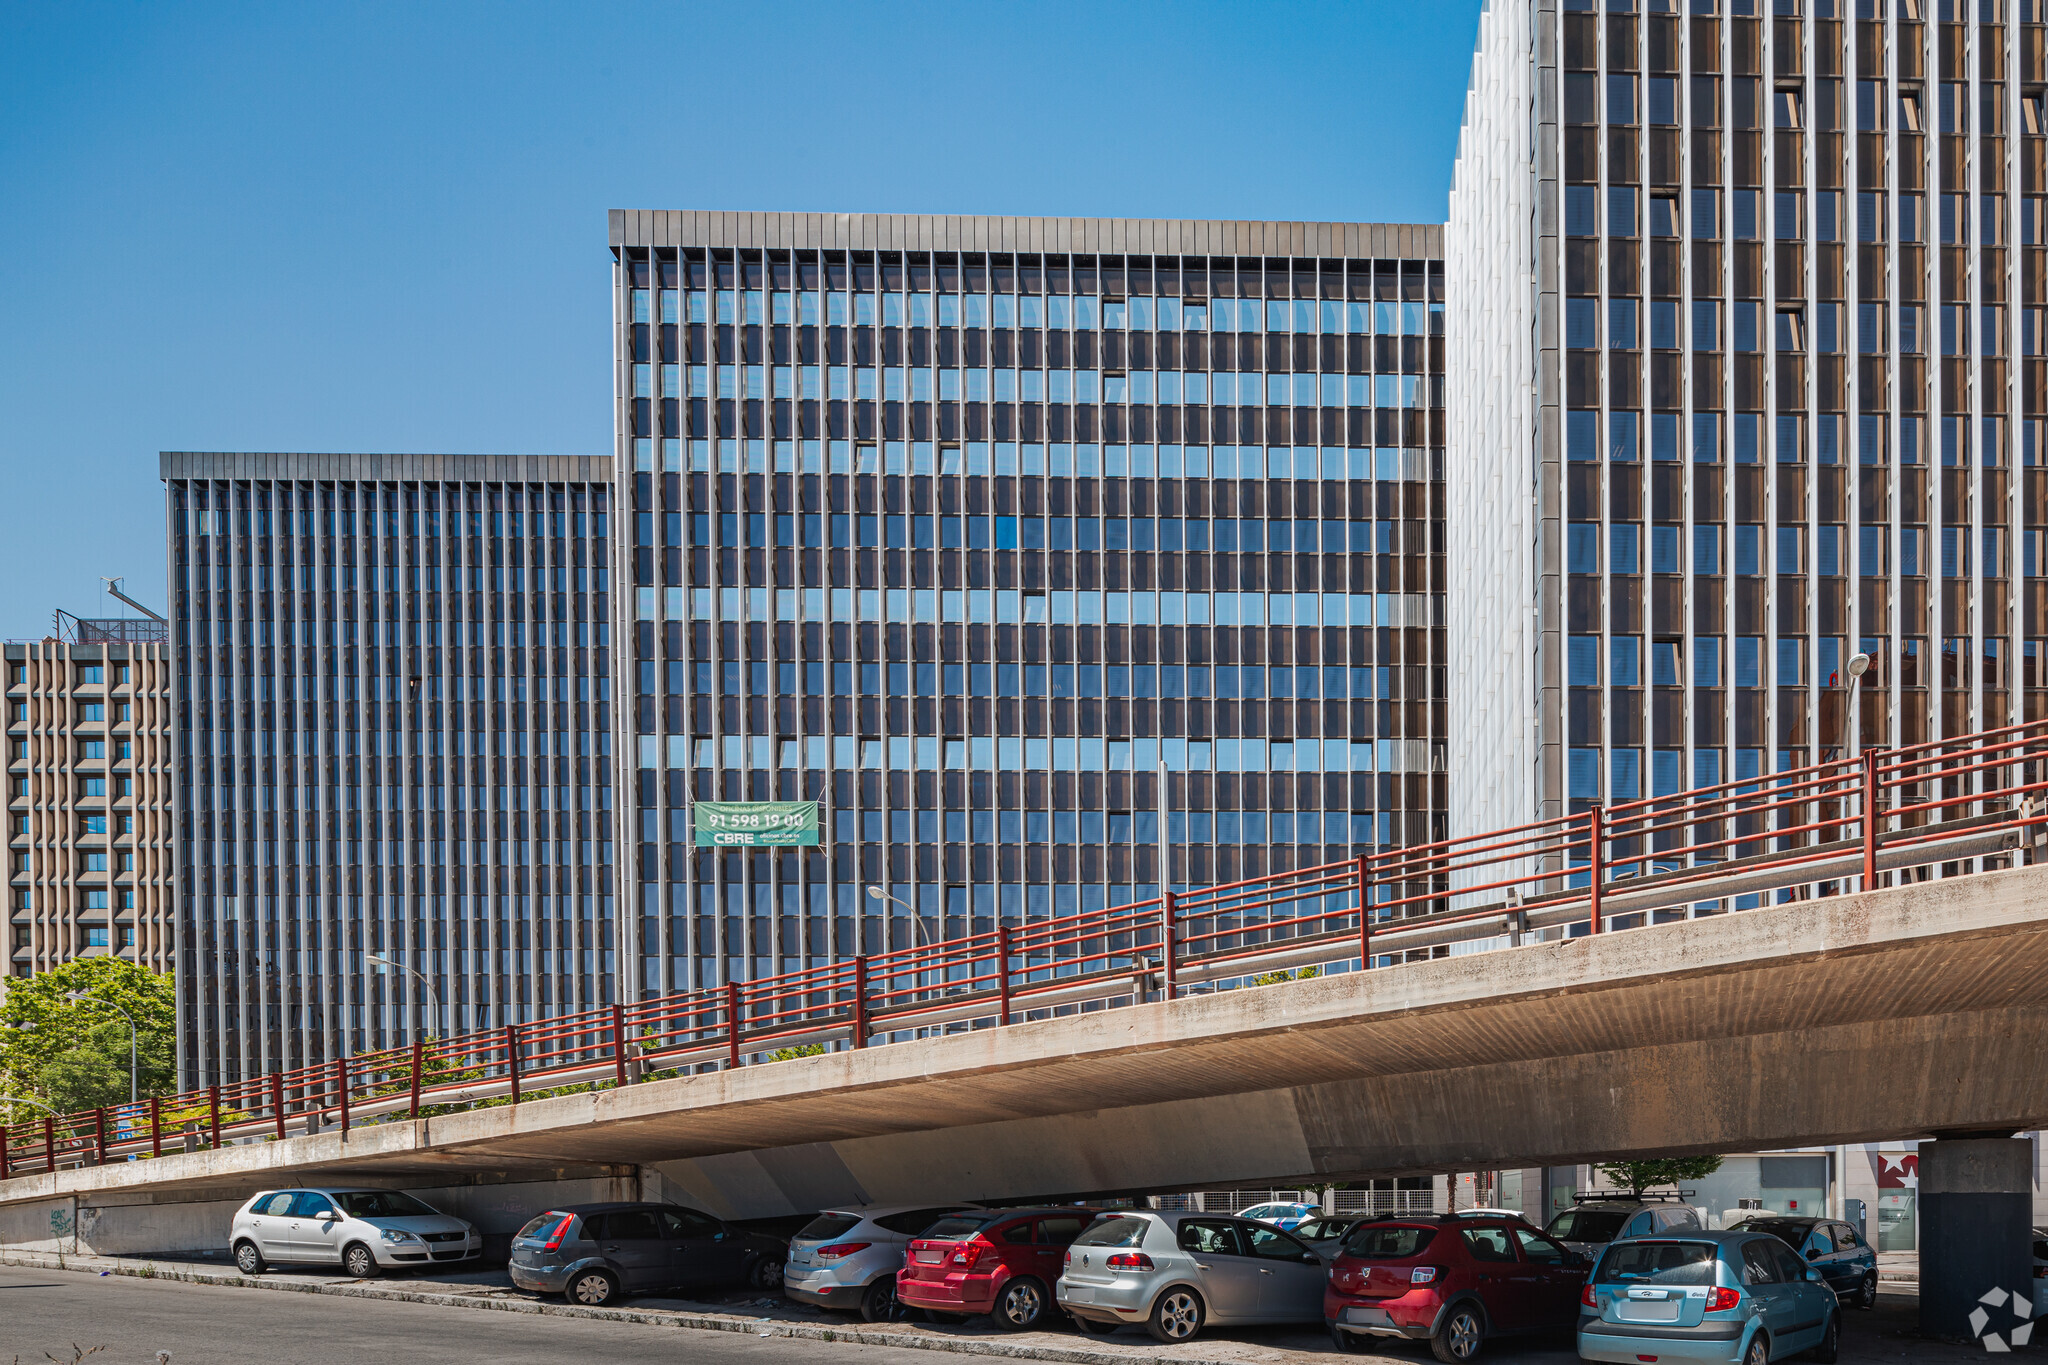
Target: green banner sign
{"points": [[756, 824]]}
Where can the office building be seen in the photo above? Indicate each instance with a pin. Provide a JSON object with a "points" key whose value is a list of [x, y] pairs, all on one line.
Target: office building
{"points": [[1746, 325], [392, 679], [88, 794], [966, 526]]}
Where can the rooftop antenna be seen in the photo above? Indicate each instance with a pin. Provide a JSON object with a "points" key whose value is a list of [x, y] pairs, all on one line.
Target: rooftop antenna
{"points": [[113, 586]]}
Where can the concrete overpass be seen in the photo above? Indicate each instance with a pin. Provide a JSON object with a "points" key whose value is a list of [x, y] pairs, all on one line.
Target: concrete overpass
{"points": [[1921, 1009]]}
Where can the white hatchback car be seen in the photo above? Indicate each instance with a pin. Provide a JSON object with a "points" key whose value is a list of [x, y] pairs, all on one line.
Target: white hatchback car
{"points": [[848, 1258], [361, 1230]]}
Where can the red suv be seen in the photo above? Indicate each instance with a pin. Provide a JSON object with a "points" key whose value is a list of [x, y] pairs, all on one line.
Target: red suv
{"points": [[1002, 1262], [1453, 1280]]}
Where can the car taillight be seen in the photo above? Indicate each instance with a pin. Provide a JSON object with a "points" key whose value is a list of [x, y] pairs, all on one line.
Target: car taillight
{"points": [[838, 1249], [1422, 1274], [970, 1251], [1129, 1260], [1720, 1300], [561, 1230], [1586, 1297]]}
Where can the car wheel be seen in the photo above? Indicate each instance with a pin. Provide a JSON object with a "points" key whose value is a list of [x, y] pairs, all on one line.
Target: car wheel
{"points": [[878, 1304], [1176, 1315], [1759, 1352], [593, 1289], [359, 1261], [1830, 1341], [764, 1273], [1461, 1336], [248, 1259], [1021, 1305], [1866, 1293], [1090, 1327]]}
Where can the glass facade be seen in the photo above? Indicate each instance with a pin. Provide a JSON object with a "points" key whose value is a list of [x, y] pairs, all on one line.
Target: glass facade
{"points": [[393, 696], [974, 545], [1785, 276]]}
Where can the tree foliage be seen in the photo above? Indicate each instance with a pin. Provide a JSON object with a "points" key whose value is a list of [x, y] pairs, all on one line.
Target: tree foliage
{"points": [[74, 1055], [1637, 1176], [1275, 978]]}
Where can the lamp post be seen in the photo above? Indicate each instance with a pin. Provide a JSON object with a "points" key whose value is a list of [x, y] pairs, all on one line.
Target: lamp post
{"points": [[384, 966], [81, 998], [1859, 664], [917, 920], [23, 1099]]}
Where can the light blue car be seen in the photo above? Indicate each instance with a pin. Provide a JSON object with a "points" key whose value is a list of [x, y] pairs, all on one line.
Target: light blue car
{"points": [[1282, 1215], [1739, 1297]]}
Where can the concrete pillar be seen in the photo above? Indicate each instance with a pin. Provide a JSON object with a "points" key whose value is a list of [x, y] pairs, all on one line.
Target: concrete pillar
{"points": [[1975, 1200]]}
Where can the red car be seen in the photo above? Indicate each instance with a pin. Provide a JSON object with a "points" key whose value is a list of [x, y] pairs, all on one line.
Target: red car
{"points": [[1453, 1281], [1002, 1262]]}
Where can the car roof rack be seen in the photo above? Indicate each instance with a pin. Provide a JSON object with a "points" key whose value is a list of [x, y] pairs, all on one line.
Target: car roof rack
{"points": [[1626, 1197]]}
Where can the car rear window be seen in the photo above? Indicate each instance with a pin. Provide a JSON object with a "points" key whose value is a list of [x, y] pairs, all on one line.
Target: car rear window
{"points": [[1388, 1241], [955, 1226], [913, 1223], [1657, 1263], [1113, 1231], [829, 1225], [544, 1223], [1587, 1225], [1790, 1233]]}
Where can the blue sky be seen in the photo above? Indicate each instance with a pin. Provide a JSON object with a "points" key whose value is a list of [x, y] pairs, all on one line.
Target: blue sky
{"points": [[382, 227]]}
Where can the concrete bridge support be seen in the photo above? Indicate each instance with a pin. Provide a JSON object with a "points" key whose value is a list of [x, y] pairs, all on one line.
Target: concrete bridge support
{"points": [[1976, 1199]]}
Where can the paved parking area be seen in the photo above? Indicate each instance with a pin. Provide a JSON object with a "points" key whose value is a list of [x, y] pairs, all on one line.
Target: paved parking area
{"points": [[436, 1301]]}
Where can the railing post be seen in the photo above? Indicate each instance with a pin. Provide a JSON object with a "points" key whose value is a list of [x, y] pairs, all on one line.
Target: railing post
{"points": [[156, 1125], [341, 1090], [1870, 820], [277, 1101], [1364, 861], [213, 1107], [860, 1000], [1003, 972], [619, 1042], [50, 1144], [1169, 908], [99, 1136], [732, 1022], [1595, 861], [418, 1064], [512, 1058]]}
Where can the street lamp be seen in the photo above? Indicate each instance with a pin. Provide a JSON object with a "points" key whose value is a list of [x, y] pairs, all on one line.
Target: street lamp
{"points": [[1859, 664], [23, 1099], [917, 920], [385, 966], [81, 998]]}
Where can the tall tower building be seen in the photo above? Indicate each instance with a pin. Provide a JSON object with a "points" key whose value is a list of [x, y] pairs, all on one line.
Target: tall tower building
{"points": [[89, 815], [1746, 324], [969, 527], [393, 688]]}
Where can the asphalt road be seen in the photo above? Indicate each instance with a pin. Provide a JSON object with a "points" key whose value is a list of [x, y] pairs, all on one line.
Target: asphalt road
{"points": [[127, 1321]]}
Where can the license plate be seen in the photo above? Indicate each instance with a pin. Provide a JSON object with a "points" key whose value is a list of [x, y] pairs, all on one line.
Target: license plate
{"points": [[1080, 1293], [1367, 1317], [793, 1271], [1641, 1310], [930, 1257]]}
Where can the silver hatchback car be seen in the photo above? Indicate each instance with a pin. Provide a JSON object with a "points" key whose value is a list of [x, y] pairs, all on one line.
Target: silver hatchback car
{"points": [[849, 1258], [362, 1230], [1176, 1272]]}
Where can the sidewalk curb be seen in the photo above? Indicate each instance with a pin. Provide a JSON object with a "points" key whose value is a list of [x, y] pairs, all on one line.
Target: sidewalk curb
{"points": [[659, 1317]]}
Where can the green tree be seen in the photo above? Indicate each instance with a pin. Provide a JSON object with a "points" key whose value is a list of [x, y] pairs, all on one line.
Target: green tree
{"points": [[1637, 1176], [785, 1054], [1275, 978], [74, 1055]]}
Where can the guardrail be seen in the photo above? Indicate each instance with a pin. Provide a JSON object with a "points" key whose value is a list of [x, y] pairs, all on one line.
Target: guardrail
{"points": [[1815, 831]]}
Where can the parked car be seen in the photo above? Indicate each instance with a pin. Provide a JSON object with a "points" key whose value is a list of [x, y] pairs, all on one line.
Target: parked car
{"points": [[1177, 1272], [1591, 1224], [595, 1254], [1002, 1263], [2040, 1271], [1452, 1280], [1844, 1259], [1729, 1295], [1281, 1215], [361, 1230], [850, 1258], [1325, 1231]]}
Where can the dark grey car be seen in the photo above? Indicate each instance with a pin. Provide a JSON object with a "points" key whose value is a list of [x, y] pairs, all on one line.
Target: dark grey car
{"points": [[596, 1253]]}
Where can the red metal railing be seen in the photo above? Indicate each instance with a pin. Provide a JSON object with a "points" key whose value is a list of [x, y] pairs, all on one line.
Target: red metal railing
{"points": [[1954, 804]]}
